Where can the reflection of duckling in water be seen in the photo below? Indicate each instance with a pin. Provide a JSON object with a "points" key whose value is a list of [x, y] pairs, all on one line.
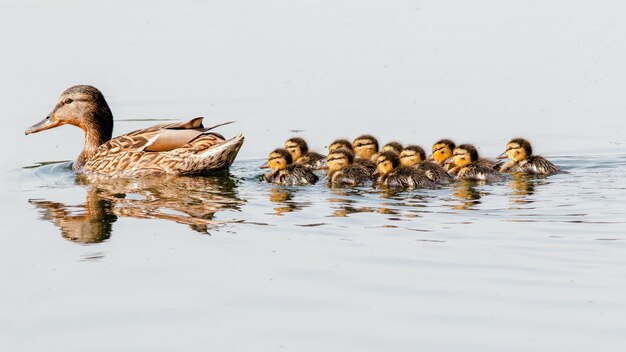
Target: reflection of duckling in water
{"points": [[522, 160], [285, 172], [343, 172], [467, 166], [300, 154], [467, 193], [442, 151], [344, 143], [415, 156], [392, 174]]}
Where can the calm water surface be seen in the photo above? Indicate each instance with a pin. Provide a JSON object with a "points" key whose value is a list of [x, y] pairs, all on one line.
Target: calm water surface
{"points": [[228, 263]]}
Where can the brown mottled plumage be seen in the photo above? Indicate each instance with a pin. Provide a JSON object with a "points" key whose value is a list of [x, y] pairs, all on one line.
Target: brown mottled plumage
{"points": [[184, 148]]}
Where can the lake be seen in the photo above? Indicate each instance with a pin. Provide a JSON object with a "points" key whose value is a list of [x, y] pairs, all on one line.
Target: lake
{"points": [[230, 263]]}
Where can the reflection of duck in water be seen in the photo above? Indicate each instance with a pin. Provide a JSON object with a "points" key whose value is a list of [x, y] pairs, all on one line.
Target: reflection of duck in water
{"points": [[415, 156], [393, 175], [467, 193], [285, 199], [190, 200], [174, 148], [467, 166], [520, 152], [343, 172], [285, 172], [300, 154]]}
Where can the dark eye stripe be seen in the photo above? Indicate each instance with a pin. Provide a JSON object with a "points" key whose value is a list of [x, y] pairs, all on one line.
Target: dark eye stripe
{"points": [[363, 145], [438, 149]]}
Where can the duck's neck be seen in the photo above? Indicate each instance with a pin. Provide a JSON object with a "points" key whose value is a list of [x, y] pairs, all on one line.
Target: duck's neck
{"points": [[98, 130]]}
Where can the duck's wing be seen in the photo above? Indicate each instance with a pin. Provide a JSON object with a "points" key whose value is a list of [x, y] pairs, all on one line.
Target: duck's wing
{"points": [[434, 172], [163, 137], [539, 165], [312, 160], [352, 175], [479, 172]]}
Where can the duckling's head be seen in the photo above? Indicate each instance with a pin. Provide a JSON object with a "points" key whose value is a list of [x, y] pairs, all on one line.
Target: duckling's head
{"points": [[83, 106], [338, 159], [464, 154], [339, 143], [518, 149], [386, 162], [412, 155], [442, 150], [279, 159], [394, 146], [365, 146], [297, 147]]}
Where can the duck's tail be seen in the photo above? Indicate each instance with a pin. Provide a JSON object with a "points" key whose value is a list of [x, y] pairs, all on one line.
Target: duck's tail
{"points": [[218, 157]]}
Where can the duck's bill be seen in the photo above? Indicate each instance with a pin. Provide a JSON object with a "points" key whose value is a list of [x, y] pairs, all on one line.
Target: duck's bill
{"points": [[430, 158], [323, 167], [45, 124], [264, 166], [501, 156]]}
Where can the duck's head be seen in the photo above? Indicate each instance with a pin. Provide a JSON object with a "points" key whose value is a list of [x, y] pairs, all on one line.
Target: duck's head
{"points": [[442, 151], [339, 143], [278, 159], [464, 154], [386, 162], [83, 106], [297, 147], [518, 149], [365, 146], [412, 155], [393, 146], [338, 159]]}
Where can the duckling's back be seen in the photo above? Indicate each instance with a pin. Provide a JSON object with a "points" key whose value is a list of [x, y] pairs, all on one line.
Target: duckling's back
{"points": [[434, 172], [479, 172], [538, 165], [408, 177], [351, 175]]}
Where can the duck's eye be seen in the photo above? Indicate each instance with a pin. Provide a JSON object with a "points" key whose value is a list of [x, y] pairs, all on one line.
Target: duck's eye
{"points": [[67, 101]]}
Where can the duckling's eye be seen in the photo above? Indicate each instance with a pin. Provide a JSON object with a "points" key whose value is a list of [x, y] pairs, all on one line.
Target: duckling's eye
{"points": [[67, 101]]}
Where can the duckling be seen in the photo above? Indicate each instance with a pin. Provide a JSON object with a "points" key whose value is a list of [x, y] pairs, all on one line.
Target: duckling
{"points": [[343, 172], [394, 146], [299, 150], [415, 156], [286, 172], [520, 152], [340, 143], [392, 174], [365, 147], [442, 152], [468, 167]]}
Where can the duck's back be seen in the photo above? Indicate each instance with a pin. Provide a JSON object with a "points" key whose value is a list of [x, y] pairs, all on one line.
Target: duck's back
{"points": [[538, 165], [351, 175], [312, 160], [368, 164], [176, 148], [293, 175], [408, 177], [479, 172], [434, 172]]}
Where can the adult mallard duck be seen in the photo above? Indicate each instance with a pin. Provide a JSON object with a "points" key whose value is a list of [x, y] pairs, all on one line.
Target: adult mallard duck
{"points": [[468, 167], [520, 152], [394, 175], [415, 156], [342, 171], [285, 171], [299, 150], [184, 148]]}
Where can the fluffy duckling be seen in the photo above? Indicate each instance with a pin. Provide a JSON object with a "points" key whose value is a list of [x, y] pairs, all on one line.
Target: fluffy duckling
{"points": [[442, 151], [343, 172], [393, 146], [286, 172], [415, 156], [392, 174], [468, 167], [339, 143], [520, 152], [299, 150], [365, 147], [344, 143]]}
